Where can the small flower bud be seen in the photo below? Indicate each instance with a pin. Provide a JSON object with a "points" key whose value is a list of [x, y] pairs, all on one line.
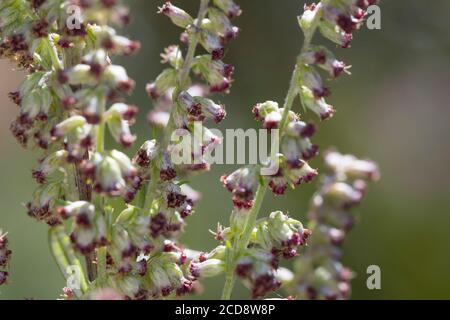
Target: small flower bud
{"points": [[166, 80], [49, 165], [242, 184], [178, 16], [174, 197], [121, 110], [130, 287], [207, 269], [278, 184], [125, 164], [343, 195], [158, 224], [318, 106], [167, 171], [82, 210], [118, 119], [79, 74], [272, 120], [312, 80], [194, 109], [35, 106], [106, 173], [146, 154], [68, 125], [218, 252], [325, 59], [221, 24], [261, 110], [303, 173], [173, 56], [215, 72], [43, 203], [211, 109], [212, 44], [351, 167], [229, 7], [284, 231], [178, 282], [118, 78], [292, 153], [310, 18], [300, 129], [110, 41], [335, 34]]}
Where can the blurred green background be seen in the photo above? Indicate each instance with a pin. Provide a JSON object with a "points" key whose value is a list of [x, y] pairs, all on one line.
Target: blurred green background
{"points": [[393, 109]]}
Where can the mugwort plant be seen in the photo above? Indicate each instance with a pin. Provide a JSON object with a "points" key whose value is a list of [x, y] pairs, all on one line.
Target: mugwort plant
{"points": [[117, 220]]}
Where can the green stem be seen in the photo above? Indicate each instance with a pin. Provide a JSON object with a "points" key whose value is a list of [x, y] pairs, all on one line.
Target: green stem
{"points": [[241, 245], [153, 185], [259, 198], [101, 265], [184, 73]]}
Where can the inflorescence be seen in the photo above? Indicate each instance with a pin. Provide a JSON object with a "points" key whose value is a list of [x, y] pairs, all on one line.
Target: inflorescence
{"points": [[319, 273], [125, 215], [336, 20]]}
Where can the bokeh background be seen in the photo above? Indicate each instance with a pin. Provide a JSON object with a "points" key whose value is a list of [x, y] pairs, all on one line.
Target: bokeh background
{"points": [[394, 109]]}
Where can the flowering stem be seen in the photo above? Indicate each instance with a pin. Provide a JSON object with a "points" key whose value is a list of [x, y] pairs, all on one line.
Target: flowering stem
{"points": [[184, 73], [259, 198], [240, 246], [69, 59], [182, 84], [243, 241]]}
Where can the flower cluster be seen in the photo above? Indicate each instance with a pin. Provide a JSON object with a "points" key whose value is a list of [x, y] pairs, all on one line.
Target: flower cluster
{"points": [[180, 106], [89, 226], [293, 170], [72, 94], [336, 20], [273, 238], [125, 215], [5, 256], [179, 103], [296, 147], [319, 272]]}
